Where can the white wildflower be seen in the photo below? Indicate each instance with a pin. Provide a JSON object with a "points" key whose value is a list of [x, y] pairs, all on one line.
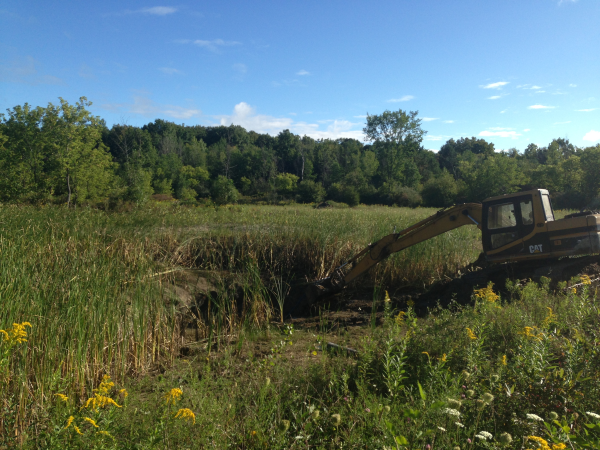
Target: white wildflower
{"points": [[534, 417], [484, 435], [452, 412], [593, 415], [441, 429], [459, 425]]}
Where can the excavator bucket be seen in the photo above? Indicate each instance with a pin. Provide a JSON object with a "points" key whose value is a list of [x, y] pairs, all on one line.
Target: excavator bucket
{"points": [[325, 287]]}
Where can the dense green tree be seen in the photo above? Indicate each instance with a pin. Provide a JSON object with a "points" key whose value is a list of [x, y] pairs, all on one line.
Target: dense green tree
{"points": [[310, 192], [453, 152], [489, 176], [223, 191], [441, 191]]}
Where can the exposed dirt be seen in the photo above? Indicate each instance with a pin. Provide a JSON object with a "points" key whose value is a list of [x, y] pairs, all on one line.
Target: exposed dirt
{"points": [[353, 307]]}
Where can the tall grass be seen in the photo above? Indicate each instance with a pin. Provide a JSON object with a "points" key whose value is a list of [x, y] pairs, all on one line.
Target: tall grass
{"points": [[81, 284], [85, 279]]}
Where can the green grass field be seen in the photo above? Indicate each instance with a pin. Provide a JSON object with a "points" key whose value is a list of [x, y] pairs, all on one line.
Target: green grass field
{"points": [[86, 281]]}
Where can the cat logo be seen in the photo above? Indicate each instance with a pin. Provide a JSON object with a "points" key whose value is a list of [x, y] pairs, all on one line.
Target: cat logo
{"points": [[535, 248]]}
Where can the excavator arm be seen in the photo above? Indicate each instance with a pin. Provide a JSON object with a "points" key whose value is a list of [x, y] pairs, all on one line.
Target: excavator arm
{"points": [[440, 222]]}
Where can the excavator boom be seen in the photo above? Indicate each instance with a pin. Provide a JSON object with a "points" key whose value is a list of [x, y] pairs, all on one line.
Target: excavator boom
{"points": [[439, 223]]}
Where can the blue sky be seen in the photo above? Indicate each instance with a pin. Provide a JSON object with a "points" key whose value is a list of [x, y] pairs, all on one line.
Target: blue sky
{"points": [[511, 72]]}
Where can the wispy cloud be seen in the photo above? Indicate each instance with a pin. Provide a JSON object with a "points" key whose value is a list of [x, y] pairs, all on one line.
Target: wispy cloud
{"points": [[213, 45], [572, 85], [86, 72], [503, 133], [360, 117], [170, 71], [540, 107], [448, 121], [158, 10], [494, 97], [527, 129], [25, 71], [592, 136], [401, 99], [146, 107], [497, 85], [303, 72], [246, 116], [240, 68], [587, 110], [433, 137], [429, 119]]}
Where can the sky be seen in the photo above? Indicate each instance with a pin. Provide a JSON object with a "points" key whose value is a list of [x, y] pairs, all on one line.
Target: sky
{"points": [[511, 72]]}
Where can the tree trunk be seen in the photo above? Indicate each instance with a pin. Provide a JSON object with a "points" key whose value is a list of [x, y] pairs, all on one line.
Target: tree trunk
{"points": [[69, 188]]}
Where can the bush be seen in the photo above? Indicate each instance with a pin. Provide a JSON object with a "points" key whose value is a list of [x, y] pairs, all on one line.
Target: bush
{"points": [[310, 192], [344, 194], [223, 191], [441, 191], [395, 194]]}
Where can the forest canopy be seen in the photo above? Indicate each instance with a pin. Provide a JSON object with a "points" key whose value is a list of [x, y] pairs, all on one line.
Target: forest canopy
{"points": [[64, 154]]}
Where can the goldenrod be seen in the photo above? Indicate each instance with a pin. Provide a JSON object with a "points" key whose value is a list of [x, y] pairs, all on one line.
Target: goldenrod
{"points": [[173, 396], [186, 414], [471, 334], [63, 397], [91, 421]]}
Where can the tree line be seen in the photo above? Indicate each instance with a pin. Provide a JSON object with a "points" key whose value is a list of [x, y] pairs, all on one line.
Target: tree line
{"points": [[64, 154]]}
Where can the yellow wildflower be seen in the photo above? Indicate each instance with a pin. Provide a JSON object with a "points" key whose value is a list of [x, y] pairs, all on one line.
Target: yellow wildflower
{"points": [[487, 293], [504, 360], [471, 334], [573, 290], [400, 317], [410, 303], [123, 393], [585, 279], [63, 397], [99, 401], [77, 429], [558, 446], [186, 414], [549, 318], [425, 353], [543, 444], [173, 396], [92, 421], [387, 297], [443, 358], [105, 433], [17, 335], [69, 422], [105, 386]]}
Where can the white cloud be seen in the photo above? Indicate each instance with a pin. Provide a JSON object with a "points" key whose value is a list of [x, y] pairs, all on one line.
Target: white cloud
{"points": [[303, 72], [510, 134], [592, 136], [448, 121], [496, 85], [561, 123], [170, 70], [144, 106], [429, 119], [213, 45], [540, 107], [401, 99], [572, 85], [240, 68], [499, 128], [25, 70], [587, 110], [433, 137], [539, 92], [246, 116], [158, 10], [535, 87], [527, 129], [360, 117], [503, 111], [494, 97]]}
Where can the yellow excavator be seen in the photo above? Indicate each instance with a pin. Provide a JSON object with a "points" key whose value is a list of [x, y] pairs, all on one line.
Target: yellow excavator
{"points": [[515, 228]]}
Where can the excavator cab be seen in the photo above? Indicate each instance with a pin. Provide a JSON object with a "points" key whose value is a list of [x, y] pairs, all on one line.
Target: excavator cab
{"points": [[522, 226], [515, 226]]}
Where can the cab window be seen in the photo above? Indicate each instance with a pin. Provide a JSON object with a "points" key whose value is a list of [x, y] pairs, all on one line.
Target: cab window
{"points": [[501, 216], [527, 211], [547, 208]]}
